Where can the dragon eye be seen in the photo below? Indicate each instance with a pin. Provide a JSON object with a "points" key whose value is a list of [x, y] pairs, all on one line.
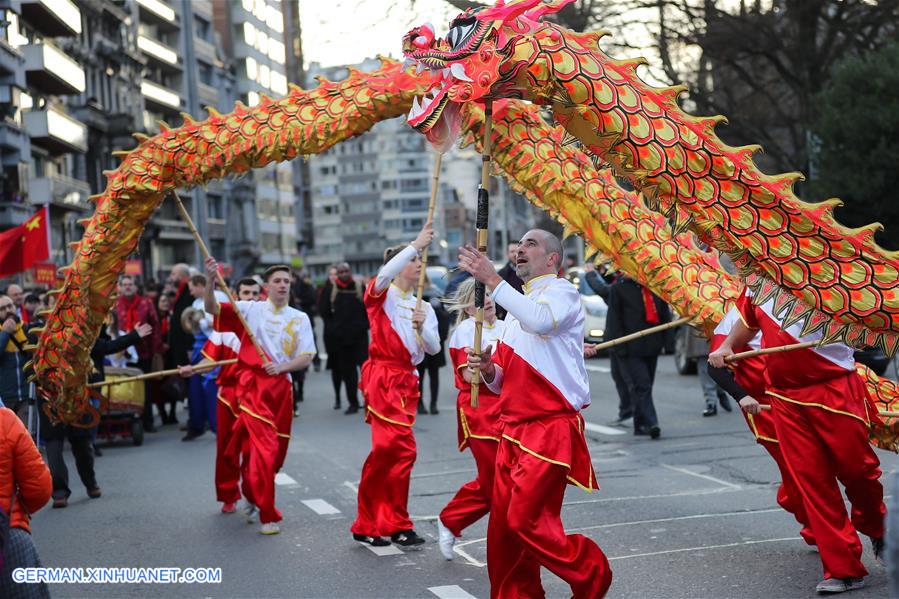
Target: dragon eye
{"points": [[460, 31]]}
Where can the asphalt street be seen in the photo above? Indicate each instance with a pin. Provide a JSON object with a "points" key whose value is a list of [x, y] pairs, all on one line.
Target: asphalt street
{"points": [[690, 515]]}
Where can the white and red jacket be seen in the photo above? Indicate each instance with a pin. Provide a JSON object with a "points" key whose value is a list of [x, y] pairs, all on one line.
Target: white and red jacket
{"points": [[481, 422], [540, 374], [389, 379]]}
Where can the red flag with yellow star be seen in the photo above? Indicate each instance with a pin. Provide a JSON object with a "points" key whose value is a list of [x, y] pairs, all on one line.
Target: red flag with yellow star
{"points": [[23, 246]]}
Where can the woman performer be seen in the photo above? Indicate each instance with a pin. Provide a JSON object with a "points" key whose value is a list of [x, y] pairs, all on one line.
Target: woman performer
{"points": [[478, 427]]}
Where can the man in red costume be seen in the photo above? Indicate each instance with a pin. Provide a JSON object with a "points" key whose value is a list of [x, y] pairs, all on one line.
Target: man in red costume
{"points": [[226, 346], [745, 382], [400, 336], [264, 419], [821, 419], [538, 371]]}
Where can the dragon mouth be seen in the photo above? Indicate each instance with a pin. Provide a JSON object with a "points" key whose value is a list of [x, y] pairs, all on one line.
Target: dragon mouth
{"points": [[425, 113]]}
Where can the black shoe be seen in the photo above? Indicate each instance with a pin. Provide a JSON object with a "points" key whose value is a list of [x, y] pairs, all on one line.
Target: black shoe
{"points": [[641, 431], [725, 402], [94, 492], [60, 502], [337, 405], [655, 432], [192, 434], [422, 409], [710, 410], [97, 452], [407, 538], [351, 410], [434, 409], [877, 545], [373, 541]]}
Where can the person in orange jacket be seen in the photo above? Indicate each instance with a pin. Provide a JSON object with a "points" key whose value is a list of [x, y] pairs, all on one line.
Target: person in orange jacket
{"points": [[24, 474]]}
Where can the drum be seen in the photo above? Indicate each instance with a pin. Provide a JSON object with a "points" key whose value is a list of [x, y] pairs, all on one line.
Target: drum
{"points": [[128, 397]]}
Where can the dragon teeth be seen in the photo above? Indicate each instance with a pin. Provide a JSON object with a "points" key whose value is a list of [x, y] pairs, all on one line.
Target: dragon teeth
{"points": [[458, 72]]}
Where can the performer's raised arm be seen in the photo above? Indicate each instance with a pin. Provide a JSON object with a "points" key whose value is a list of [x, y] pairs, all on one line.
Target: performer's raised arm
{"points": [[396, 264], [210, 303]]}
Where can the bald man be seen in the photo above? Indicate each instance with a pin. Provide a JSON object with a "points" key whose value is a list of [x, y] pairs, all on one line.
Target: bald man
{"points": [[538, 371]]}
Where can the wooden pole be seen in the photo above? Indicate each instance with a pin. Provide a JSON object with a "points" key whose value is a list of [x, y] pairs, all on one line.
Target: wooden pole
{"points": [[643, 333], [162, 374], [482, 223], [432, 203], [221, 280], [770, 350]]}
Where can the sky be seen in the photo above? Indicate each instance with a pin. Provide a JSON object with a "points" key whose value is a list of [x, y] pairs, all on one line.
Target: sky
{"points": [[339, 32]]}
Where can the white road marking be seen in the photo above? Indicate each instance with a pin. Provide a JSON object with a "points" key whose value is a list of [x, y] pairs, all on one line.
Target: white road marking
{"points": [[284, 479], [451, 592], [351, 486], [603, 430], [660, 496], [383, 551], [597, 368], [704, 548], [459, 547], [673, 519], [320, 507], [703, 476]]}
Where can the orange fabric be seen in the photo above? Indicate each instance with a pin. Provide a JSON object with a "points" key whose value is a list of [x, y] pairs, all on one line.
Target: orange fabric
{"points": [[21, 466], [525, 532], [472, 501]]}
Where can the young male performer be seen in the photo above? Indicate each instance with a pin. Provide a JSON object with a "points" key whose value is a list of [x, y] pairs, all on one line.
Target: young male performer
{"points": [[478, 427], [538, 370], [400, 336], [226, 346], [266, 393], [821, 419]]}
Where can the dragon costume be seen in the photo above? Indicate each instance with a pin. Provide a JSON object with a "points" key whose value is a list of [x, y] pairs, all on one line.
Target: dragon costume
{"points": [[588, 201], [821, 273]]}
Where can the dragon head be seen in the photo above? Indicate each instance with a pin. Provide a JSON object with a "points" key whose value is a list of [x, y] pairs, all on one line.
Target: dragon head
{"points": [[468, 64]]}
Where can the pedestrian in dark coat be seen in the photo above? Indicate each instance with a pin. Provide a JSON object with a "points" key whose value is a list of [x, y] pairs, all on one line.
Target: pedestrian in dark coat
{"points": [[180, 342], [431, 364], [633, 308], [345, 334]]}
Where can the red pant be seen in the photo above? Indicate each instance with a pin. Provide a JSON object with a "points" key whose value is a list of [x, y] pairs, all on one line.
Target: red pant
{"points": [[526, 532], [788, 495], [472, 501], [265, 410], [384, 490], [227, 466], [820, 448]]}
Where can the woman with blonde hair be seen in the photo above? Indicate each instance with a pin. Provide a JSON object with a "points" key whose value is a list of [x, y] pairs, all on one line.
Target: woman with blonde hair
{"points": [[478, 427]]}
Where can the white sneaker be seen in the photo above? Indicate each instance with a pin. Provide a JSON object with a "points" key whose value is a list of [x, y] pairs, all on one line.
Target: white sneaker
{"points": [[270, 528], [251, 512], [445, 540], [839, 585]]}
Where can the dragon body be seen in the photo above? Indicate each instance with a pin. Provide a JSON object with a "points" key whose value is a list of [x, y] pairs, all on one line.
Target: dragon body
{"points": [[821, 273], [302, 123]]}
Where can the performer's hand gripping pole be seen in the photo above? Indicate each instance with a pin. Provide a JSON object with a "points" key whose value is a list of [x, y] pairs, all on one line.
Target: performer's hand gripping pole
{"points": [[221, 280], [481, 224], [424, 253]]}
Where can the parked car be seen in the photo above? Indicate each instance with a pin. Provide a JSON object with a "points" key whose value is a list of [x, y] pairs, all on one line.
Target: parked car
{"points": [[686, 338], [595, 308]]}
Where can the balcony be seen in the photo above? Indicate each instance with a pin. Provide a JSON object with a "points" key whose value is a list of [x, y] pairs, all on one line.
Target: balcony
{"points": [[55, 131], [54, 18], [14, 214], [51, 70], [159, 12], [208, 95], [10, 62], [160, 96], [59, 190], [204, 51], [159, 53]]}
